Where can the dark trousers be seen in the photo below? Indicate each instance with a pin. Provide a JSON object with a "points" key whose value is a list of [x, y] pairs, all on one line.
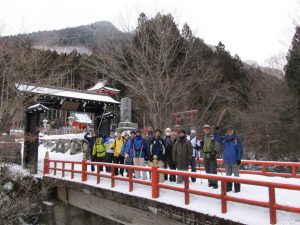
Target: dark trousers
{"points": [[211, 168], [99, 159], [109, 159], [193, 167], [119, 160], [171, 165]]}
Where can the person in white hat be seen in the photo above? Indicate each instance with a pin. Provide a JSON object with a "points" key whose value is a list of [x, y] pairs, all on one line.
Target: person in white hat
{"points": [[209, 154]]}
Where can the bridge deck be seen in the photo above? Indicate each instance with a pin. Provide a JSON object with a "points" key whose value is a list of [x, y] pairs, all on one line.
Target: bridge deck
{"points": [[236, 212]]}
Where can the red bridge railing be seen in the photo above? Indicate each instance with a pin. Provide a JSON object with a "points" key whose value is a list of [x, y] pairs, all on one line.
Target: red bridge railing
{"points": [[264, 165], [52, 165]]}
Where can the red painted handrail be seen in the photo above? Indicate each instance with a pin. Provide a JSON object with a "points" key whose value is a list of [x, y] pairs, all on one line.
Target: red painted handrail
{"points": [[156, 186], [264, 165]]}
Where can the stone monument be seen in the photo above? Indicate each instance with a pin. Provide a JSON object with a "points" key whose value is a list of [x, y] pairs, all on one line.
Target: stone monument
{"points": [[125, 114]]}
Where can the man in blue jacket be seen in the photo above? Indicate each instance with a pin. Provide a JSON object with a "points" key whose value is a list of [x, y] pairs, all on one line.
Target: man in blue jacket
{"points": [[233, 153], [139, 154]]}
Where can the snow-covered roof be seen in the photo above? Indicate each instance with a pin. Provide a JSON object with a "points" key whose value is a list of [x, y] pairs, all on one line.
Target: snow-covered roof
{"points": [[82, 118], [65, 92], [38, 106], [101, 85]]}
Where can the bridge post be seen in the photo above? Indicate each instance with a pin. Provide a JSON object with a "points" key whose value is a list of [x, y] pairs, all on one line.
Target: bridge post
{"points": [[46, 163], [272, 202], [223, 195], [155, 181], [186, 190], [84, 168]]}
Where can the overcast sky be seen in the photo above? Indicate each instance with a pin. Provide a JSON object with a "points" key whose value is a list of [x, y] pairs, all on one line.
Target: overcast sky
{"points": [[254, 29]]}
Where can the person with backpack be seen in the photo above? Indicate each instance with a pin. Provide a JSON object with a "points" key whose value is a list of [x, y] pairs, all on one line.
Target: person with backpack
{"points": [[209, 151], [91, 139], [233, 153], [99, 150], [139, 154], [182, 153], [118, 158], [157, 147]]}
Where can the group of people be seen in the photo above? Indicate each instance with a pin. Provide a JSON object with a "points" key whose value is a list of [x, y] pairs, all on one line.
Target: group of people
{"points": [[174, 150]]}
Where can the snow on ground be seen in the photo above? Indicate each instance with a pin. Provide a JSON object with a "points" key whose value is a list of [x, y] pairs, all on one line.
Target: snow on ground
{"points": [[243, 213]]}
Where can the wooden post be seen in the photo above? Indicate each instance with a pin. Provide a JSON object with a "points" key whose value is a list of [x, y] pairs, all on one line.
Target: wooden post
{"points": [[130, 180], [223, 196], [155, 181], [98, 174], [186, 190], [55, 164], [272, 202], [63, 169], [294, 170], [112, 176], [72, 170], [264, 169], [83, 171], [46, 163]]}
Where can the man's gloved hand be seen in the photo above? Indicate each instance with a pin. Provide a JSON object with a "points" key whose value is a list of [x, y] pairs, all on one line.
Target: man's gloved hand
{"points": [[239, 162], [216, 128]]}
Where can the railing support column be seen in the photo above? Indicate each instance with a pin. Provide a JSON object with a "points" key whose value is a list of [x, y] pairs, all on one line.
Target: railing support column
{"points": [[223, 197], [46, 163], [83, 171], [272, 202], [155, 181], [186, 190], [112, 176], [130, 171]]}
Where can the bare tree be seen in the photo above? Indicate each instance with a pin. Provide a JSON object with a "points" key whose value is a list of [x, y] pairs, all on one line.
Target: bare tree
{"points": [[160, 67]]}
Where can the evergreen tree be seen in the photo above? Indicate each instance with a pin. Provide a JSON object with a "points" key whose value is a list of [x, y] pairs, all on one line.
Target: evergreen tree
{"points": [[292, 69]]}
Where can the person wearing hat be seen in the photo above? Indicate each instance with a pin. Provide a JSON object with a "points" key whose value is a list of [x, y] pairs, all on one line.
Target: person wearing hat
{"points": [[209, 150], [233, 153], [182, 153], [157, 147], [99, 150]]}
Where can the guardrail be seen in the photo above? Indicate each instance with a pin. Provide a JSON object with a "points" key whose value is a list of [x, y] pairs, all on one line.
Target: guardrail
{"points": [[156, 186], [294, 168]]}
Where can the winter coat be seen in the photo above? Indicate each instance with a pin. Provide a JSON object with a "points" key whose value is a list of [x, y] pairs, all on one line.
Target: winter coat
{"points": [[123, 149], [147, 147], [99, 149], [196, 147], [117, 146], [169, 149], [91, 140], [182, 153], [208, 147], [157, 147], [110, 142], [233, 149], [130, 148], [139, 150]]}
